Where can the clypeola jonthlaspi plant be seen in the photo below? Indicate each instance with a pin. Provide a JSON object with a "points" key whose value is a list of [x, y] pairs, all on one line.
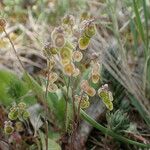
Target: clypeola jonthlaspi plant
{"points": [[66, 56]]}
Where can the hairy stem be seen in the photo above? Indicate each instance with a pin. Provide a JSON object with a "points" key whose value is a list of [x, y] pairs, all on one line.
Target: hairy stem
{"points": [[13, 47], [46, 95]]}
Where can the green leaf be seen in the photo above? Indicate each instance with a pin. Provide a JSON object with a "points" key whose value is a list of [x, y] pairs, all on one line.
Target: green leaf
{"points": [[110, 132], [33, 85], [12, 88], [52, 145], [138, 21]]}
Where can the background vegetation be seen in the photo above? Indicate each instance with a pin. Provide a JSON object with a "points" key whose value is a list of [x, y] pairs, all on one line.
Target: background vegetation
{"points": [[122, 46]]}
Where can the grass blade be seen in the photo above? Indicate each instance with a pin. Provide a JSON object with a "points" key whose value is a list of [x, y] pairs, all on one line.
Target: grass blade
{"points": [[138, 21]]}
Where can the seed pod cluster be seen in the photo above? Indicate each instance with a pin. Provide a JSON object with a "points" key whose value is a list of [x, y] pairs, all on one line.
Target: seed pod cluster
{"points": [[106, 96], [17, 113], [83, 101], [52, 87], [49, 50], [67, 47], [8, 127], [89, 30]]}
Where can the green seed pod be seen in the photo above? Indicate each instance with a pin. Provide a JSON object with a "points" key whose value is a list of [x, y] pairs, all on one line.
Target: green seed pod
{"points": [[84, 16], [106, 97], [52, 87], [85, 102], [13, 115], [25, 115], [69, 45], [66, 53], [22, 106], [90, 30], [53, 50], [53, 77], [83, 42], [49, 50], [110, 96], [19, 126], [68, 20], [8, 129], [65, 61]]}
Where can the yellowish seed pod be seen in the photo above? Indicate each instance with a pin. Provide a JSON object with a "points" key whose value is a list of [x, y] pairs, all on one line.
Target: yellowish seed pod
{"points": [[76, 72], [84, 85], [87, 89], [19, 126], [95, 78], [22, 106], [2, 24], [69, 69], [96, 68], [84, 102], [77, 56], [52, 87], [51, 63], [53, 77], [90, 91], [65, 61], [83, 42]]}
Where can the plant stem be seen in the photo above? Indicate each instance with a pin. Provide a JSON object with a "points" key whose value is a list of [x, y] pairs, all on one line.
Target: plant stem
{"points": [[13, 47], [67, 98], [79, 105], [46, 95]]}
